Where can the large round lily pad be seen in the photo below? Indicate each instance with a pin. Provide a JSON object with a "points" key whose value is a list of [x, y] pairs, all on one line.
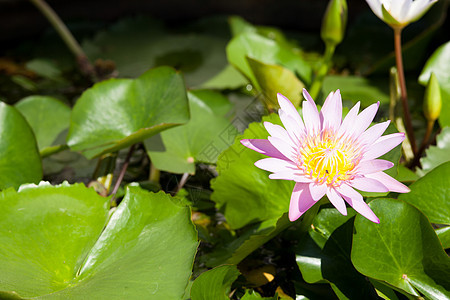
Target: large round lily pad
{"points": [[117, 113], [56, 245]]}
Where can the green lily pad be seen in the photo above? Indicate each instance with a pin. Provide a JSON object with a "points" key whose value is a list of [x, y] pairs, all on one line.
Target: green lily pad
{"points": [[273, 79], [46, 233], [431, 194], [438, 64], [265, 50], [241, 184], [19, 155], [403, 250], [355, 88], [436, 155], [117, 113], [215, 283], [202, 139], [47, 116], [56, 245], [325, 252]]}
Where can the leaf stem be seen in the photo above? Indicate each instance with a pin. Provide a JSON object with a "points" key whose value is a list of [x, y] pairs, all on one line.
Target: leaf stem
{"points": [[83, 61], [182, 182], [316, 85], [122, 173], [155, 174], [401, 79]]}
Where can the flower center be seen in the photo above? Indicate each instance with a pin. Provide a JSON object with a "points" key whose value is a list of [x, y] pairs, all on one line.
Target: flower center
{"points": [[328, 159]]}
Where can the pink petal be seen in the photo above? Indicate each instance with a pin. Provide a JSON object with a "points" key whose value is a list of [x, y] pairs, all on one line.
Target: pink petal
{"points": [[368, 185], [383, 145], [294, 131], [349, 120], [279, 132], [392, 184], [364, 119], [263, 147], [356, 201], [373, 166], [275, 165], [310, 114], [284, 147], [289, 175], [337, 201], [301, 201], [317, 190], [289, 109], [373, 133], [331, 112]]}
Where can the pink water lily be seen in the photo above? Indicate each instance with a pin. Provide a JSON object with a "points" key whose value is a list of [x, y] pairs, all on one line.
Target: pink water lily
{"points": [[327, 156]]}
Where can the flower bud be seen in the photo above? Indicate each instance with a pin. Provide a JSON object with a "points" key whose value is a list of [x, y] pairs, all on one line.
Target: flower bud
{"points": [[334, 22], [433, 102]]}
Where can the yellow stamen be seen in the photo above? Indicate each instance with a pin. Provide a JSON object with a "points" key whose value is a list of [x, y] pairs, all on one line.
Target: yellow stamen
{"points": [[328, 159]]}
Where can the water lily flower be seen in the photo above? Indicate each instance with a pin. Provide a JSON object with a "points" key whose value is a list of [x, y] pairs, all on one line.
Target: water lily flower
{"points": [[399, 13], [327, 156]]}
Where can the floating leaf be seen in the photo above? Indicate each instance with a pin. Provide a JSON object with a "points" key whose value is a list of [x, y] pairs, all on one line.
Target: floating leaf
{"points": [[323, 255], [46, 233], [436, 155], [47, 116], [431, 194], [19, 156], [55, 238], [241, 184], [202, 139], [215, 283], [403, 250], [117, 113]]}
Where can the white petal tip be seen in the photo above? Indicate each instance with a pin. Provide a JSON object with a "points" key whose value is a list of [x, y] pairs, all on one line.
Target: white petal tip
{"points": [[293, 217], [403, 189], [244, 142]]}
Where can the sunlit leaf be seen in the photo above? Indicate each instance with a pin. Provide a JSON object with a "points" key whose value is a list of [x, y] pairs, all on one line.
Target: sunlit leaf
{"points": [[117, 113], [56, 245], [47, 116], [241, 184], [323, 255], [273, 79], [402, 250], [436, 155], [202, 139], [215, 283], [19, 155], [431, 194]]}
